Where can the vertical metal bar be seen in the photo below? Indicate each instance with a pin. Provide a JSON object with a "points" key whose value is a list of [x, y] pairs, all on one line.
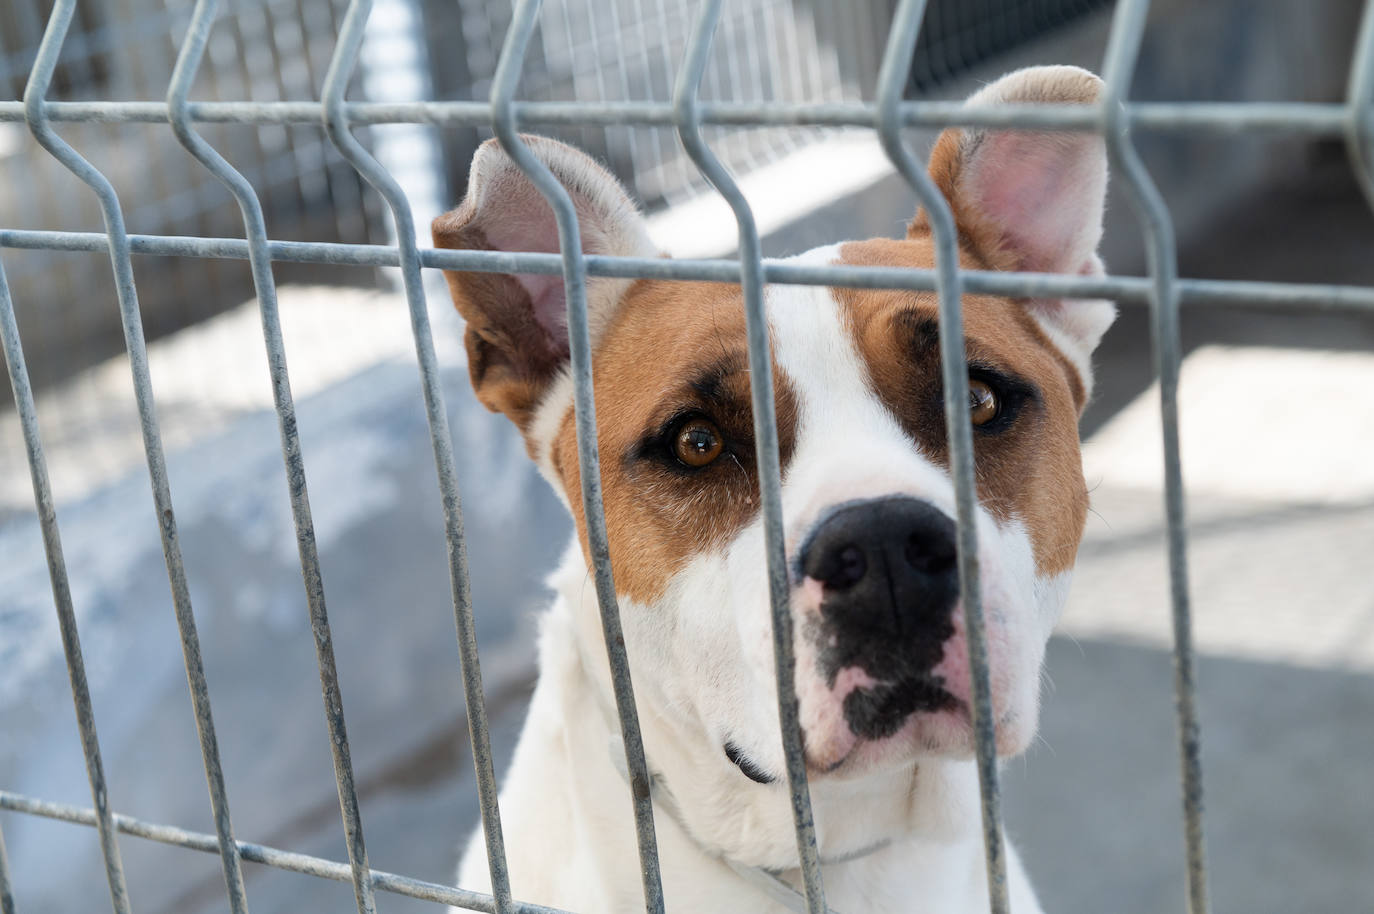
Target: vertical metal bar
{"points": [[504, 83], [40, 77], [200, 693], [1123, 47], [62, 593], [336, 125], [6, 885], [687, 116], [324, 656], [1359, 135], [892, 81]]}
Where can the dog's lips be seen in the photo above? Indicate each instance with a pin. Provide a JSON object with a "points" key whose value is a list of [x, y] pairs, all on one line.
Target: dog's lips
{"points": [[945, 732], [879, 711], [856, 718], [866, 718]]}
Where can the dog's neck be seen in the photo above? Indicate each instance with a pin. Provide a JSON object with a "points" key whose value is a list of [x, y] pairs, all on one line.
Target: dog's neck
{"points": [[708, 812], [768, 882]]}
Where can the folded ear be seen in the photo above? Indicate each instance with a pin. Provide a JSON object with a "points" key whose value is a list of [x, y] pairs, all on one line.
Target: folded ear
{"points": [[1033, 200], [517, 334]]}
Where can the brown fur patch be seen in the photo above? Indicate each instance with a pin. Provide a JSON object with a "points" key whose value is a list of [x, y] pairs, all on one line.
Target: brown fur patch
{"points": [[674, 350], [1032, 468]]}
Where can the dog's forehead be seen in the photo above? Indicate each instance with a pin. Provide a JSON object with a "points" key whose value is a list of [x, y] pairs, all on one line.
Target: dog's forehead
{"points": [[997, 330], [668, 332]]}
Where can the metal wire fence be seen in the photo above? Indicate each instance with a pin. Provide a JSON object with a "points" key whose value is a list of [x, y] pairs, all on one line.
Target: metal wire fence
{"points": [[267, 51], [1164, 291]]}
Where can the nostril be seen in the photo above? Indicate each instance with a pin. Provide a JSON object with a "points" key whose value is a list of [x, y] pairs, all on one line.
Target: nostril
{"points": [[929, 557], [847, 567]]}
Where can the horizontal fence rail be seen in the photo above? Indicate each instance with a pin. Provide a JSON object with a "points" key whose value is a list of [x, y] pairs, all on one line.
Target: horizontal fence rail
{"points": [[1163, 290], [1131, 289], [305, 864], [1294, 118]]}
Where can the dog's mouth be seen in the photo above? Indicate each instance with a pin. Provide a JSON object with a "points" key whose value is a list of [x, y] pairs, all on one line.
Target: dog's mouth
{"points": [[862, 720], [748, 766], [878, 711], [872, 714]]}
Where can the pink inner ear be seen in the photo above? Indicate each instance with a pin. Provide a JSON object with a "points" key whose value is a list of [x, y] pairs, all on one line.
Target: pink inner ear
{"points": [[526, 223], [1044, 191]]}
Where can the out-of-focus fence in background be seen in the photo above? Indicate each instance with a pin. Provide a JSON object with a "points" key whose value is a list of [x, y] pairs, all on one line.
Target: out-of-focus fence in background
{"points": [[269, 50], [277, 50]]}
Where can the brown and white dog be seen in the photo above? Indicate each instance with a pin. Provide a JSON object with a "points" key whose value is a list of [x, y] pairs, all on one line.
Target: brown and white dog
{"points": [[882, 671]]}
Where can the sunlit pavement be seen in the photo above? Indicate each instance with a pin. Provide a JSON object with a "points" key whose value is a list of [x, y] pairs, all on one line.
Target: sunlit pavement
{"points": [[1281, 527]]}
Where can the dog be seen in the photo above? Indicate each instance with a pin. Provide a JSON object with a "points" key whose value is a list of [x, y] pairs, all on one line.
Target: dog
{"points": [[882, 671]]}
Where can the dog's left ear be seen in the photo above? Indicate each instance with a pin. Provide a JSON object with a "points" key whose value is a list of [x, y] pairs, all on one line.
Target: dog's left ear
{"points": [[1033, 200], [517, 333]]}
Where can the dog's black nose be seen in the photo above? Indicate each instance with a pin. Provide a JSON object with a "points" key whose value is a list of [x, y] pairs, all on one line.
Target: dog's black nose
{"points": [[888, 570]]}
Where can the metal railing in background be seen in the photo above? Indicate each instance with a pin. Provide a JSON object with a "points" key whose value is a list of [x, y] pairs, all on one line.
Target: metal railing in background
{"points": [[270, 50], [1164, 291], [615, 51]]}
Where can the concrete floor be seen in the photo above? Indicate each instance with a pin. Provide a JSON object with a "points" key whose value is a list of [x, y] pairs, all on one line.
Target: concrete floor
{"points": [[1284, 603]]}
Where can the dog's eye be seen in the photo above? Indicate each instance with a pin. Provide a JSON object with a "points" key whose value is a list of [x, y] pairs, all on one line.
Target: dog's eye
{"points": [[697, 443], [982, 402]]}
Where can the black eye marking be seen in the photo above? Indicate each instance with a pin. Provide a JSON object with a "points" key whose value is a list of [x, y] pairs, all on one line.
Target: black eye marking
{"points": [[708, 399], [661, 446], [922, 333], [922, 338], [710, 386], [751, 770]]}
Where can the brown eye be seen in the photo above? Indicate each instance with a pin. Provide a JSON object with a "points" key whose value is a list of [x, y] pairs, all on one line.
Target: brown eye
{"points": [[982, 402], [698, 443]]}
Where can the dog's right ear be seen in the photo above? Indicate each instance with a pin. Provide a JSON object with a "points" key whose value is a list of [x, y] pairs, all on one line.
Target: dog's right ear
{"points": [[517, 334]]}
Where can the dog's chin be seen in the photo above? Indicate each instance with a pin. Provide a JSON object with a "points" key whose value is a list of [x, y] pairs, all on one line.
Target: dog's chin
{"points": [[946, 733], [845, 753]]}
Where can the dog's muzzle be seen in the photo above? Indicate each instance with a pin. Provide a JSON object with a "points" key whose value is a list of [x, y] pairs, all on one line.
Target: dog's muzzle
{"points": [[889, 583]]}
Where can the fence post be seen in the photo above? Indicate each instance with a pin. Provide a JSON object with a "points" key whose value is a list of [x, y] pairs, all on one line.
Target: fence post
{"points": [[892, 82], [504, 125], [1123, 47], [687, 115]]}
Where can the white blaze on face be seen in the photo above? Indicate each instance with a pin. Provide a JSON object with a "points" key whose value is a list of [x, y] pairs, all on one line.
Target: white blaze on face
{"points": [[707, 640], [849, 447]]}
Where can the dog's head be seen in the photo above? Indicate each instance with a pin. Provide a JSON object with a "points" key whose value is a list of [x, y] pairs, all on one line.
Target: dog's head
{"points": [[882, 671]]}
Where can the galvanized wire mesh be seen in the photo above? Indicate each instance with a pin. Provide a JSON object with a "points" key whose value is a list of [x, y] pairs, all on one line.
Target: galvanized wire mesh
{"points": [[1115, 118], [583, 50], [270, 50]]}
